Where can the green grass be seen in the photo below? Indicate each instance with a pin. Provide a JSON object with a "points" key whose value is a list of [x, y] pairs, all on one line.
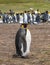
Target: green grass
{"points": [[22, 1], [21, 5], [18, 7]]}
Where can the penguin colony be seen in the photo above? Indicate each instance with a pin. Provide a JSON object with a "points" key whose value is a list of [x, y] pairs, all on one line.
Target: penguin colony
{"points": [[23, 41]]}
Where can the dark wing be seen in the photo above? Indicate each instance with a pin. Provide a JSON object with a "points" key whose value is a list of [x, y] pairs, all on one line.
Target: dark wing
{"points": [[17, 44]]}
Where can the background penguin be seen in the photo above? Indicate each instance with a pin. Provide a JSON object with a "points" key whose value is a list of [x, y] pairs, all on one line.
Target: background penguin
{"points": [[23, 41]]}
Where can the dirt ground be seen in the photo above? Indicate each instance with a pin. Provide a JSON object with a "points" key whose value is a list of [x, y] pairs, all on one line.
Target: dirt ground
{"points": [[40, 46]]}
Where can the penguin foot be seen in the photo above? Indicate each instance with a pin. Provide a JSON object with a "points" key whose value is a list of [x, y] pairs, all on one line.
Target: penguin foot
{"points": [[25, 57], [15, 55]]}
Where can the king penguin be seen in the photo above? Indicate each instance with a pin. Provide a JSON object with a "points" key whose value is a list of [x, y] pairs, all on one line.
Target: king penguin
{"points": [[23, 41]]}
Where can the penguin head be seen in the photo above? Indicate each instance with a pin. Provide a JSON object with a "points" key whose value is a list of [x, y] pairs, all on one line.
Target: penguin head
{"points": [[24, 25]]}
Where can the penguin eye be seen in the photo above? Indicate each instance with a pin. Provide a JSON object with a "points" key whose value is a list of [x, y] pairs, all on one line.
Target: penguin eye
{"points": [[24, 26]]}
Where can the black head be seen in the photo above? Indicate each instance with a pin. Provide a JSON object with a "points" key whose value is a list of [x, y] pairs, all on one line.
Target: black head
{"points": [[24, 25]]}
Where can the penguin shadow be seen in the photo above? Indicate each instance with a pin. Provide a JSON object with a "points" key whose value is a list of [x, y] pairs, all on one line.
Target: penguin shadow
{"points": [[15, 56], [21, 57]]}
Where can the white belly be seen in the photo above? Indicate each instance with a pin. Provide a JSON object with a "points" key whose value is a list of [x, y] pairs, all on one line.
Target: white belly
{"points": [[28, 40], [48, 17]]}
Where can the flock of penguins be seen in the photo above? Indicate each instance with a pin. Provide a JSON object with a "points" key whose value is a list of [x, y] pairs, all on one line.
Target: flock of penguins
{"points": [[31, 16], [23, 41]]}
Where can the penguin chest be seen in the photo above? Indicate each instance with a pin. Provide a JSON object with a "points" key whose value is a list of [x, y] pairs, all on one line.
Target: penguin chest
{"points": [[28, 40], [27, 44]]}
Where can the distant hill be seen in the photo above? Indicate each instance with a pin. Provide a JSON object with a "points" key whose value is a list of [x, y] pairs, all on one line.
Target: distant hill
{"points": [[21, 1]]}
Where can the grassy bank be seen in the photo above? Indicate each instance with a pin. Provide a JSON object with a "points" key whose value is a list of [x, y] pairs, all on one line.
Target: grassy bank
{"points": [[22, 1], [21, 5]]}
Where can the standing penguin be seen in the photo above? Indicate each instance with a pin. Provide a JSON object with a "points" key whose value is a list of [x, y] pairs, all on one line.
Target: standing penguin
{"points": [[23, 41]]}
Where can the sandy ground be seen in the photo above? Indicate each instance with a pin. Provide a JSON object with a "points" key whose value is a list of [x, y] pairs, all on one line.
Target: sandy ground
{"points": [[40, 46]]}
